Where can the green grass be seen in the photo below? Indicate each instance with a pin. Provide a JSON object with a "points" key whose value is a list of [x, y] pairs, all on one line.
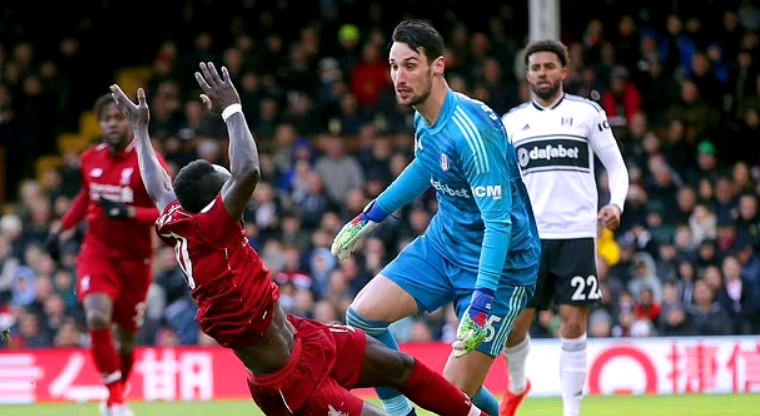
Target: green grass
{"points": [[692, 405]]}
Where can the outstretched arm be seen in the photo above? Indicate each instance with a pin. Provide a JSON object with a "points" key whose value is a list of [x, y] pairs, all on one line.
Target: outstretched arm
{"points": [[412, 182], [157, 182], [409, 185], [220, 96]]}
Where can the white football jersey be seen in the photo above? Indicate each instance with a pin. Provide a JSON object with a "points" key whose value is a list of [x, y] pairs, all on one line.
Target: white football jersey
{"points": [[555, 148]]}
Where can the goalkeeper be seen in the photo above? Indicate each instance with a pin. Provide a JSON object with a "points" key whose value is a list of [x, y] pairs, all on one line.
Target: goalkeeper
{"points": [[481, 250]]}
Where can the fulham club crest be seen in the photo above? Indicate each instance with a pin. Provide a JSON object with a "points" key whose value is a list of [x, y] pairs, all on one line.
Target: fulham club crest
{"points": [[444, 162]]}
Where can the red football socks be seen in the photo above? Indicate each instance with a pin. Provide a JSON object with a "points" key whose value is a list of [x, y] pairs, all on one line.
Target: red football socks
{"points": [[107, 361], [126, 365], [431, 391]]}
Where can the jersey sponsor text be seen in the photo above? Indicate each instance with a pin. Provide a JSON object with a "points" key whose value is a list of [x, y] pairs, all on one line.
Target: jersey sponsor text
{"points": [[553, 153]]}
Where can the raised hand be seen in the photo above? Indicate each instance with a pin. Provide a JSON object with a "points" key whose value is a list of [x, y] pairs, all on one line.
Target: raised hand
{"points": [[218, 91], [138, 114]]}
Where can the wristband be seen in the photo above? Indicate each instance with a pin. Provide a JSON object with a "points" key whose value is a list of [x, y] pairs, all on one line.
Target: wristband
{"points": [[374, 213], [230, 110]]}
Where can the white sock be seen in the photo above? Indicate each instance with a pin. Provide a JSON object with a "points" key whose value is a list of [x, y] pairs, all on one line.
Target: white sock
{"points": [[572, 372], [516, 357]]}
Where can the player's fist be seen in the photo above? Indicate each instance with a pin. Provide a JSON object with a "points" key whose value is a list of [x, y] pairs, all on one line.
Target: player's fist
{"points": [[113, 209], [218, 91], [472, 329], [609, 215], [138, 114]]}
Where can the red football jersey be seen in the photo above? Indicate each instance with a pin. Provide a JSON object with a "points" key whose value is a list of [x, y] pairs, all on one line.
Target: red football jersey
{"points": [[116, 177], [233, 289]]}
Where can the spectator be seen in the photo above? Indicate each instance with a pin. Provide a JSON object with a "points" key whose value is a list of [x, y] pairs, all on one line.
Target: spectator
{"points": [[8, 270], [673, 318], [644, 277], [707, 317], [622, 101], [738, 297], [24, 289], [339, 171], [369, 76], [647, 308]]}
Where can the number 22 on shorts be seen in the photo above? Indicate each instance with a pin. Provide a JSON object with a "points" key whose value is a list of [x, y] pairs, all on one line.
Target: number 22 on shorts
{"points": [[579, 283]]}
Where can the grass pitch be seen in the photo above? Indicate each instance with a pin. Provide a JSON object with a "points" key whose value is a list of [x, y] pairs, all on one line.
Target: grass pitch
{"points": [[682, 405]]}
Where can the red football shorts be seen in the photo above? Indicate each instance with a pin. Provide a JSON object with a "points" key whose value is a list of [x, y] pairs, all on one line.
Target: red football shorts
{"points": [[324, 365], [126, 282]]}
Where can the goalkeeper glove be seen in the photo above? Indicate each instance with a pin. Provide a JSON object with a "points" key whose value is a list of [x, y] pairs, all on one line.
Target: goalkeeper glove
{"points": [[348, 237], [114, 209], [472, 329]]}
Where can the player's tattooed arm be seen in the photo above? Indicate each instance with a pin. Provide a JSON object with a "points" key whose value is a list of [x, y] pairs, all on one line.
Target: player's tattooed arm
{"points": [[221, 97], [157, 181]]}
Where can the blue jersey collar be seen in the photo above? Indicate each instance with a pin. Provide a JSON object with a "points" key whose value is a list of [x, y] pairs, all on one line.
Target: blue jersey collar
{"points": [[449, 105]]}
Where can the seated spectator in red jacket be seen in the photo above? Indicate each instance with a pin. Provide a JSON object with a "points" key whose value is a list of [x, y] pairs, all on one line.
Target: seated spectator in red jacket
{"points": [[622, 100], [648, 308]]}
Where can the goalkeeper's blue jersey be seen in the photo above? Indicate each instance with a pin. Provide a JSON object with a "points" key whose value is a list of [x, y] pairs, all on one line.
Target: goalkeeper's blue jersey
{"points": [[484, 221]]}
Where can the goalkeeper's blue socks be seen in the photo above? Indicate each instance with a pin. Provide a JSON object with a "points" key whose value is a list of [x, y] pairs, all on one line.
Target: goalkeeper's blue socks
{"points": [[486, 401], [394, 402]]}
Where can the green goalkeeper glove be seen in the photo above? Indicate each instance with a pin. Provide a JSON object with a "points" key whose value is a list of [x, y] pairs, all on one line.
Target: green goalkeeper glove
{"points": [[348, 237]]}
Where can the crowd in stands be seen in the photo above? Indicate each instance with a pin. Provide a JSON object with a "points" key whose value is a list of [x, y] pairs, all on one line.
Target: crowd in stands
{"points": [[680, 84]]}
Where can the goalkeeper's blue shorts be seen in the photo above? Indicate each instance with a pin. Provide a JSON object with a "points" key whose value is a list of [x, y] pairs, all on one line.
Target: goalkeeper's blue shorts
{"points": [[434, 281]]}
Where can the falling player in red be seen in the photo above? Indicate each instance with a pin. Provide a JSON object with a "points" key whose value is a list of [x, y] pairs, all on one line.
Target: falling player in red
{"points": [[296, 366], [113, 268]]}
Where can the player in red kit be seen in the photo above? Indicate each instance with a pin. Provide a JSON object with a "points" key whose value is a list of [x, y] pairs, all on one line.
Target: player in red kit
{"points": [[113, 267], [296, 366]]}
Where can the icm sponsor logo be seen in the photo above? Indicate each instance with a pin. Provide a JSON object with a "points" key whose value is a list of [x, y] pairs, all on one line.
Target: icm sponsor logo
{"points": [[488, 191]]}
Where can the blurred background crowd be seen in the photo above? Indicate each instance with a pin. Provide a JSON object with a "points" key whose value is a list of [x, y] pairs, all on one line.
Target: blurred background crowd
{"points": [[679, 80]]}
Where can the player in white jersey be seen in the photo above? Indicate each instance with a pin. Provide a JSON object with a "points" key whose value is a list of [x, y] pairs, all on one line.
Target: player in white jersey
{"points": [[556, 136]]}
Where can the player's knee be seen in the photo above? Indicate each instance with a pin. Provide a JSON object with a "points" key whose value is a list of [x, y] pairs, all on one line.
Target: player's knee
{"points": [[573, 321], [516, 336], [520, 327], [355, 319], [573, 329], [97, 319], [519, 330]]}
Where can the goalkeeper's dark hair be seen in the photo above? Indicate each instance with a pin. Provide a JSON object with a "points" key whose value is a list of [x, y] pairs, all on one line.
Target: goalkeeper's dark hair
{"points": [[418, 34], [547, 45], [197, 184]]}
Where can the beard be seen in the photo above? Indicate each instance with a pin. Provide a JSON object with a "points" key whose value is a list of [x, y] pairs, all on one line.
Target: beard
{"points": [[424, 93], [118, 142], [545, 95]]}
